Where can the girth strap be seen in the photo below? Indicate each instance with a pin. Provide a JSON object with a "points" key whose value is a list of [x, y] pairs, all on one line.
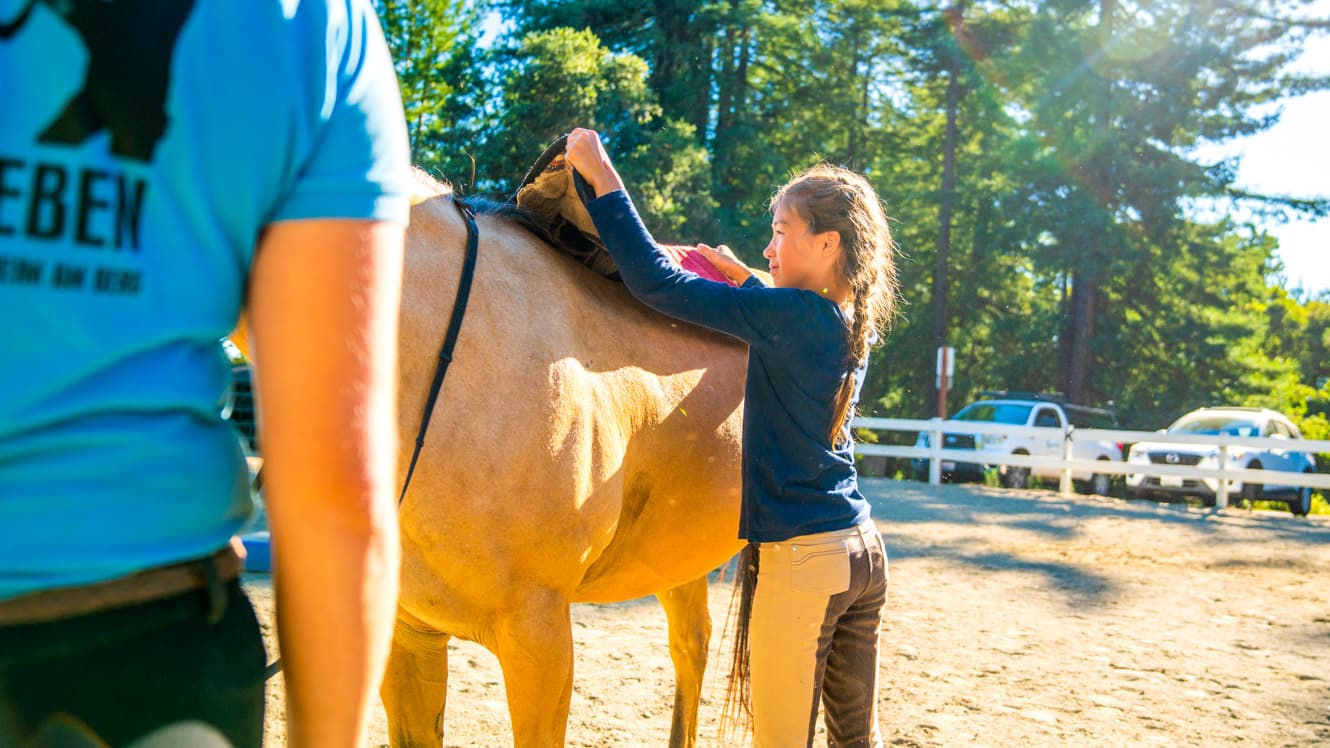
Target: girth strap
{"points": [[450, 339]]}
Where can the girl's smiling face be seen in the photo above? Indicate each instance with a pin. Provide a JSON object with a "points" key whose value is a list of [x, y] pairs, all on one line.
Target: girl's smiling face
{"points": [[798, 258]]}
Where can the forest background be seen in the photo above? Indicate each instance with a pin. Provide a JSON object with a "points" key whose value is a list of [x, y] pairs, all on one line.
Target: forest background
{"points": [[1041, 159]]}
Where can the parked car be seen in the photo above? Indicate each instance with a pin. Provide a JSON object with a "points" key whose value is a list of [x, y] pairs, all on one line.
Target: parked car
{"points": [[1025, 409], [239, 407], [1254, 422]]}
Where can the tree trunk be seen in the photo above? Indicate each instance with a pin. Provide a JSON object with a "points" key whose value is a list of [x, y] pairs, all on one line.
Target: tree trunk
{"points": [[681, 64], [948, 197], [1086, 277], [852, 138], [725, 78], [1081, 330], [703, 81], [731, 100]]}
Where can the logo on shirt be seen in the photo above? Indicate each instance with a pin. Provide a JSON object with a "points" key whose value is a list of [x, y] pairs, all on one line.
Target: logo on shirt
{"points": [[129, 44]]}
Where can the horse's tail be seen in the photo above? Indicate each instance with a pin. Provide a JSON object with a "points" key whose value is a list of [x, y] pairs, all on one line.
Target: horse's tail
{"points": [[736, 716]]}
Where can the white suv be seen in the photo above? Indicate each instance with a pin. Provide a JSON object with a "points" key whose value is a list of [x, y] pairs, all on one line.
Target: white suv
{"points": [[1255, 422], [1025, 409]]}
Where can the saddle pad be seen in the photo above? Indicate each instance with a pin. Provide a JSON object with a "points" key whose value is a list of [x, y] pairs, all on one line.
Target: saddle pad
{"points": [[689, 258]]}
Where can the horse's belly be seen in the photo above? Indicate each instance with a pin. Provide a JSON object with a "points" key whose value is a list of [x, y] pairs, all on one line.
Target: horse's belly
{"points": [[675, 537]]}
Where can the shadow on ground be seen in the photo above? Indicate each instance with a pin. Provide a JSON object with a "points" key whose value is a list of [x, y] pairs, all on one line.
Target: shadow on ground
{"points": [[958, 523]]}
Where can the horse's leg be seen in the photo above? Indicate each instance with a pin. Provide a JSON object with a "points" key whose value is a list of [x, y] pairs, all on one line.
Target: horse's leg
{"points": [[415, 686], [534, 644], [690, 633]]}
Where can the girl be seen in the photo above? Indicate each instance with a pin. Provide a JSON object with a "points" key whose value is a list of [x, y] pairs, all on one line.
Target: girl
{"points": [[821, 570]]}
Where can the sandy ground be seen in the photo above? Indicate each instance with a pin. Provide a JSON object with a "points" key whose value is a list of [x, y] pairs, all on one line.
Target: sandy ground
{"points": [[1015, 618]]}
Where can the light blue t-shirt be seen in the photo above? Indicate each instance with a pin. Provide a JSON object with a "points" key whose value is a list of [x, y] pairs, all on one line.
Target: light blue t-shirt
{"points": [[143, 149]]}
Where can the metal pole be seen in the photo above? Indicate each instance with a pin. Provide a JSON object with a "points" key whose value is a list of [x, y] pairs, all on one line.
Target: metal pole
{"points": [[1068, 438]]}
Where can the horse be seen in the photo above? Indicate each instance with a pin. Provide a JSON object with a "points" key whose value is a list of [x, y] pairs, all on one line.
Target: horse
{"points": [[584, 449]]}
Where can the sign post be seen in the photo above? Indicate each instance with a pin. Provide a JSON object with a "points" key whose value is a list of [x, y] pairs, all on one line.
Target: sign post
{"points": [[946, 369]]}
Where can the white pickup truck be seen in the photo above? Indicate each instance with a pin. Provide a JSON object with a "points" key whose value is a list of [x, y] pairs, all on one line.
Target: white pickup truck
{"points": [[1023, 409]]}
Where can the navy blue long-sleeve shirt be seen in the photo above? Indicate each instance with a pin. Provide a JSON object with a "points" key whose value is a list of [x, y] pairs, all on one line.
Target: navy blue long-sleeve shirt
{"points": [[795, 482]]}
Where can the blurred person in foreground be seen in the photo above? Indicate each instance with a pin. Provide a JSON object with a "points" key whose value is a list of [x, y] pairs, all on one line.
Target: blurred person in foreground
{"points": [[164, 163]]}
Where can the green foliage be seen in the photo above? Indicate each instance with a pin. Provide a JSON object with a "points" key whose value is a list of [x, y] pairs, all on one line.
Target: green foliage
{"points": [[1319, 505], [551, 82], [670, 176], [1074, 255], [428, 38]]}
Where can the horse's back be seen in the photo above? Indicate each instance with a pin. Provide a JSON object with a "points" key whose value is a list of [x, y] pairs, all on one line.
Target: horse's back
{"points": [[581, 443]]}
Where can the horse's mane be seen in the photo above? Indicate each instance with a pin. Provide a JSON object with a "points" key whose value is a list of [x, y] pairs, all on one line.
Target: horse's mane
{"points": [[570, 243], [427, 188], [516, 214]]}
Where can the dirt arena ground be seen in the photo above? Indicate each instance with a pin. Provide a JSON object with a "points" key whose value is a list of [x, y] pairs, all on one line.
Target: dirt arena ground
{"points": [[1016, 618]]}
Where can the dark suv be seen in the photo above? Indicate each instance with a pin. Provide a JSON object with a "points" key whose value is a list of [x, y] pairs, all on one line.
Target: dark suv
{"points": [[240, 407]]}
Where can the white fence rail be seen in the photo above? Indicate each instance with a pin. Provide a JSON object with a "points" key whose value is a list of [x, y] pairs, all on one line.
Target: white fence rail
{"points": [[1065, 463]]}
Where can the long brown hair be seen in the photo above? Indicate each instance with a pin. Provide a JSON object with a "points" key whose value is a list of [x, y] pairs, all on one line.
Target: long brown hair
{"points": [[831, 198]]}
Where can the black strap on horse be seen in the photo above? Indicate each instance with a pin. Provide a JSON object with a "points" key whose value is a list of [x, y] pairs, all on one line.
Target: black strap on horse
{"points": [[450, 339], [445, 358]]}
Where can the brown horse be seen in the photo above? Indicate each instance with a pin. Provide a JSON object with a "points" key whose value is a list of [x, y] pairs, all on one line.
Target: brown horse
{"points": [[584, 449]]}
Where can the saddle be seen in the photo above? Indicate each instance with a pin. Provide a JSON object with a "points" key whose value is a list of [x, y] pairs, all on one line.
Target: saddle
{"points": [[553, 194]]}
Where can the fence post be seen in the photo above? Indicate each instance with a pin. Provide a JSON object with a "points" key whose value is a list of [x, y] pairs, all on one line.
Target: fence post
{"points": [[1068, 442], [935, 450], [1221, 495]]}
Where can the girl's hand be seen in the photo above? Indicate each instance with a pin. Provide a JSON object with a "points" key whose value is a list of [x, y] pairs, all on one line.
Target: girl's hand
{"points": [[587, 155], [726, 262]]}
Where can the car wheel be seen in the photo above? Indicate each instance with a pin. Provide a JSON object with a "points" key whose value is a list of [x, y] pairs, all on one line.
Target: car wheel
{"points": [[1100, 484], [1017, 476], [1252, 491], [1301, 505]]}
